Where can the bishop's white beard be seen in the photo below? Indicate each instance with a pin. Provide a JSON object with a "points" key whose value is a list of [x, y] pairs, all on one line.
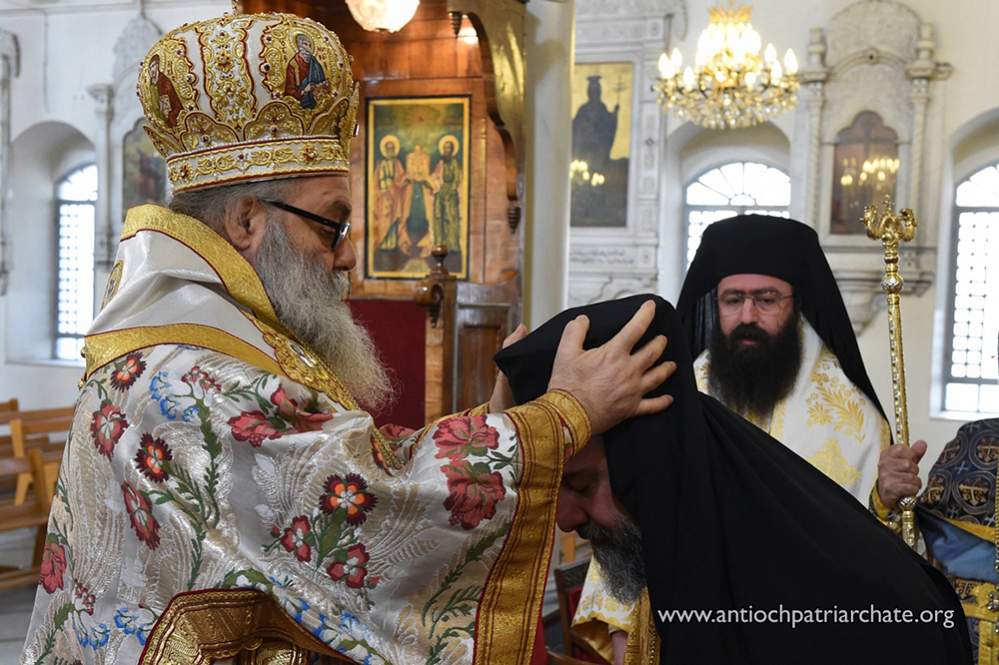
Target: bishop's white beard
{"points": [[311, 302]]}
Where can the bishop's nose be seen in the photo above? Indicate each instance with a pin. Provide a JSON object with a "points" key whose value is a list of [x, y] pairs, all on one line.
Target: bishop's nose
{"points": [[344, 257], [569, 514], [749, 313]]}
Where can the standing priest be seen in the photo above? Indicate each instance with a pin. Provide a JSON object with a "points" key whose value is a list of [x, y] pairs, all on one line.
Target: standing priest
{"points": [[222, 492], [773, 342]]}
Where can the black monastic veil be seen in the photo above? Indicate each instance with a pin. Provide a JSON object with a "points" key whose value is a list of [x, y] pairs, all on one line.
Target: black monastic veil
{"points": [[781, 248], [731, 519]]}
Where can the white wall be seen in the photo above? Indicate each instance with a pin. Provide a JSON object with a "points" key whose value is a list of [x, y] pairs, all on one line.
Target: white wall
{"points": [[65, 49]]}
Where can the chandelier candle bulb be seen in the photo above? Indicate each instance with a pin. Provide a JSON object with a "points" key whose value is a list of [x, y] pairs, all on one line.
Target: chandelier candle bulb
{"points": [[790, 63], [688, 78], [666, 68], [731, 84]]}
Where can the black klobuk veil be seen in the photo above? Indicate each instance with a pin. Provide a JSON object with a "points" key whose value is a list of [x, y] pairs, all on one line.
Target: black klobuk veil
{"points": [[733, 520], [781, 248]]}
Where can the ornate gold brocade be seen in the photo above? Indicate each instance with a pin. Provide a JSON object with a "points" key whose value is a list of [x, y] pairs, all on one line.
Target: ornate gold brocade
{"points": [[249, 97], [102, 348], [200, 627], [974, 596], [511, 600], [243, 284], [835, 401], [236, 273], [114, 281], [286, 158], [300, 364], [830, 461], [644, 644]]}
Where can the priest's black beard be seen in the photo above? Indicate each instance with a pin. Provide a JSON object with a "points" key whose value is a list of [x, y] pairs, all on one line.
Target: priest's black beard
{"points": [[753, 379], [619, 553]]}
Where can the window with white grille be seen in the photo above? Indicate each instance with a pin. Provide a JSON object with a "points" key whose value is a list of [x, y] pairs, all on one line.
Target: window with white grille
{"points": [[971, 368], [734, 189], [76, 196]]}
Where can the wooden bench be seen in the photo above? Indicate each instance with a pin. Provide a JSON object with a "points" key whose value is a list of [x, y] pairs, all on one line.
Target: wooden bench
{"points": [[33, 430], [29, 514]]}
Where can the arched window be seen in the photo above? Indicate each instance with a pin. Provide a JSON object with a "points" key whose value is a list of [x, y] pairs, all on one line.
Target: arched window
{"points": [[971, 369], [733, 189], [76, 196]]}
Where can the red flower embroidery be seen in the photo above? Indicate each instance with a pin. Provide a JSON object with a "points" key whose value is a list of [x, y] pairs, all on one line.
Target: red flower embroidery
{"points": [[351, 494], [353, 568], [152, 458], [253, 426], [293, 539], [107, 426], [460, 436], [125, 373], [474, 493], [300, 419], [53, 566], [199, 377], [83, 600], [140, 511]]}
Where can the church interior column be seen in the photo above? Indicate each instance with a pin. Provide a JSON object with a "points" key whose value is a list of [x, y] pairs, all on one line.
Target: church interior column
{"points": [[550, 53]]}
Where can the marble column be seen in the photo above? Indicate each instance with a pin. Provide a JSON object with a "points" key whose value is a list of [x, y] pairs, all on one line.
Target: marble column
{"points": [[550, 55]]}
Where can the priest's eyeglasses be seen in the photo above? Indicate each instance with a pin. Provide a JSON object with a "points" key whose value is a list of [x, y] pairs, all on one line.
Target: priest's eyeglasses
{"points": [[765, 301], [340, 229]]}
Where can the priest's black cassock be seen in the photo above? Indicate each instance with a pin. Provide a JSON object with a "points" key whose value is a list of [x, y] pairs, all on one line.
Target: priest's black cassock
{"points": [[732, 519]]}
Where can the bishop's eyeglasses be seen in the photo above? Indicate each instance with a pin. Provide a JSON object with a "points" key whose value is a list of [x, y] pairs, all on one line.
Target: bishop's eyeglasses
{"points": [[340, 229], [766, 301]]}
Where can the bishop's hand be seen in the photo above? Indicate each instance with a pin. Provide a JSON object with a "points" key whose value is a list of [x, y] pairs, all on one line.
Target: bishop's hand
{"points": [[898, 472], [610, 381]]}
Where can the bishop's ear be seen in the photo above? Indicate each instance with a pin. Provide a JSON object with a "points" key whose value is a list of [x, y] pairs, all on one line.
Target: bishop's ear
{"points": [[246, 224]]}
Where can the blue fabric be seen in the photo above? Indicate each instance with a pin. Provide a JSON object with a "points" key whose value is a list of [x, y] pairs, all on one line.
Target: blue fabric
{"points": [[959, 553]]}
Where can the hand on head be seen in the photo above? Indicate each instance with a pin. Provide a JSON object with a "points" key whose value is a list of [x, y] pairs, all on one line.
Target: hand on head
{"points": [[898, 472], [610, 381]]}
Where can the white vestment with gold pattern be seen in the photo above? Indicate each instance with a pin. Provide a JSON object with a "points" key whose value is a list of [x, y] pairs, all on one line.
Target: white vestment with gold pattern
{"points": [[825, 419], [222, 494]]}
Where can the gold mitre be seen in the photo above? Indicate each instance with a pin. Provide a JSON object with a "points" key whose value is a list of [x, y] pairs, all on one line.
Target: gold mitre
{"points": [[249, 97]]}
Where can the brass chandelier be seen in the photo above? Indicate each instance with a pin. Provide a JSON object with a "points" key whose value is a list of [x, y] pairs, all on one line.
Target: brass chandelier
{"points": [[730, 85]]}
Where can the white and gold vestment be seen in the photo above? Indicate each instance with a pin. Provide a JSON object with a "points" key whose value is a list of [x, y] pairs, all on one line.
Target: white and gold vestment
{"points": [[222, 492]]}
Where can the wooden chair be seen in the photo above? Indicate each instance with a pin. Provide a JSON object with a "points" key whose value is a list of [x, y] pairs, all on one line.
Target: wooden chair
{"points": [[568, 587], [467, 325], [32, 430], [10, 406], [34, 513]]}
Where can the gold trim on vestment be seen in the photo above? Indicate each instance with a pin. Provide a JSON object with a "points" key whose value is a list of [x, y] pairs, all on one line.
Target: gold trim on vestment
{"points": [[580, 431], [236, 273], [242, 283], [256, 160], [986, 533], [200, 627], [974, 595], [644, 644], [301, 364], [102, 348], [508, 614]]}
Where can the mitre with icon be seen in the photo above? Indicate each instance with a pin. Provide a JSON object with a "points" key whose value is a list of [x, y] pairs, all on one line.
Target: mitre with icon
{"points": [[248, 97]]}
